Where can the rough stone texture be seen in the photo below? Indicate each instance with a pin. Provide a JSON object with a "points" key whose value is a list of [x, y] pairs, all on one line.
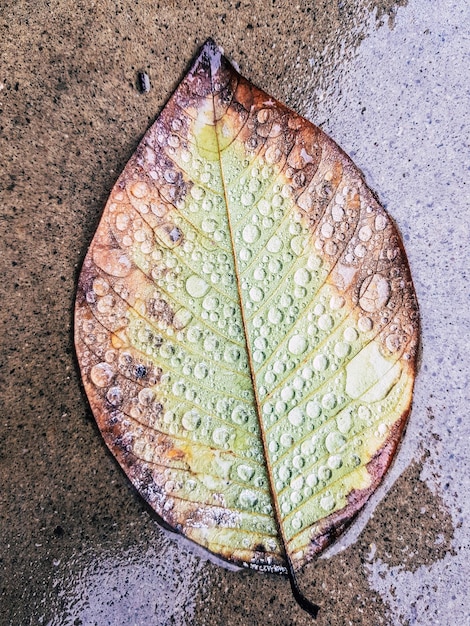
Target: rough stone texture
{"points": [[386, 81]]}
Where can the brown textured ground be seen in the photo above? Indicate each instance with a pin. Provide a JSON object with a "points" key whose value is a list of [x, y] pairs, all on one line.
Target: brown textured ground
{"points": [[71, 525]]}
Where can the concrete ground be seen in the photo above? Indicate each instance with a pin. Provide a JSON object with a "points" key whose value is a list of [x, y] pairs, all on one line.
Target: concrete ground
{"points": [[387, 81]]}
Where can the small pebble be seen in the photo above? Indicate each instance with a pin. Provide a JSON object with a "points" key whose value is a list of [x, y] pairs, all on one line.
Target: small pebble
{"points": [[143, 82]]}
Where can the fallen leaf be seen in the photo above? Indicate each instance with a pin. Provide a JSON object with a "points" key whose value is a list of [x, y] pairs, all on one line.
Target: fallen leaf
{"points": [[246, 325]]}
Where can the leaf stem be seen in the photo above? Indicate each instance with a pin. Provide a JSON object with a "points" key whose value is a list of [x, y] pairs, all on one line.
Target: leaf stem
{"points": [[304, 603]]}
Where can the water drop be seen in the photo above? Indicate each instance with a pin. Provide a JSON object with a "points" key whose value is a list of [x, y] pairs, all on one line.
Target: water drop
{"points": [[139, 189], [297, 245], [374, 293], [311, 480], [329, 401], [168, 417], [220, 436], [298, 461], [222, 406], [337, 302], [228, 311], [350, 334], [122, 221], [191, 420], [232, 354], [287, 394], [201, 371], [324, 472], [314, 262], [196, 286], [295, 416], [110, 356], [364, 324], [264, 115], [274, 245], [197, 192], [260, 343], [307, 448], [335, 461], [167, 350], [194, 334], [250, 233], [207, 268], [182, 318], [275, 316], [190, 485], [393, 342], [285, 300], [344, 422], [312, 330], [286, 440], [325, 322], [139, 236], [146, 396], [210, 303], [211, 343], [286, 507], [245, 254], [240, 414], [320, 362], [270, 378], [360, 251], [295, 497], [259, 274], [106, 304], [264, 207], [337, 213], [245, 472], [302, 277], [258, 356], [297, 344], [273, 446], [365, 233], [380, 222], [342, 349], [334, 441], [313, 409], [209, 225], [247, 200], [327, 230], [275, 266], [273, 154], [327, 503], [382, 429], [114, 396], [256, 294], [355, 460], [179, 388], [248, 499], [101, 374]]}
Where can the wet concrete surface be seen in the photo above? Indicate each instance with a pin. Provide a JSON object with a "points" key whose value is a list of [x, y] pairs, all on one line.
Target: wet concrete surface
{"points": [[387, 81]]}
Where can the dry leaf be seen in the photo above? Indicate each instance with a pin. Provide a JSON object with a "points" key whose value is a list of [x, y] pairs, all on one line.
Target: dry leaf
{"points": [[246, 325]]}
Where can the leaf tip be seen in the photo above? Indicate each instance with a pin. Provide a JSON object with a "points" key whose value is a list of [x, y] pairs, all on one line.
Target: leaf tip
{"points": [[210, 45], [212, 54]]}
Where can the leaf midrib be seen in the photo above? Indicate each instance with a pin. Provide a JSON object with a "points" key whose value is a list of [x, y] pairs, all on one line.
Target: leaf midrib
{"points": [[269, 469]]}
